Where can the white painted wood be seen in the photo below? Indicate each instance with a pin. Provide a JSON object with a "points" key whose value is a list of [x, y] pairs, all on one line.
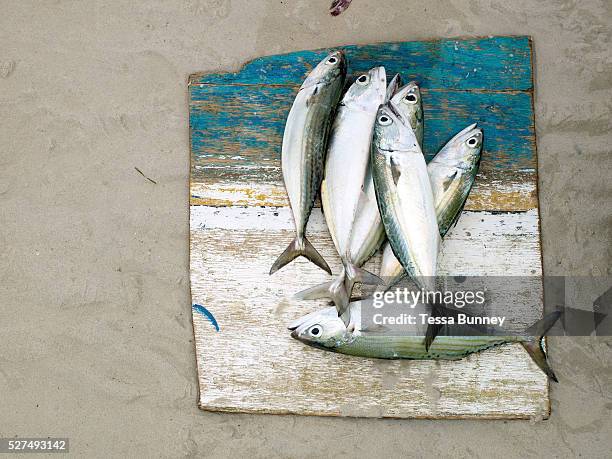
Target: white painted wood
{"points": [[481, 244], [253, 364]]}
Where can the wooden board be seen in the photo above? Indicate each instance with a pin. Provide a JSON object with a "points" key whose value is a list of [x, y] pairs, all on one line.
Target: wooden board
{"points": [[240, 223]]}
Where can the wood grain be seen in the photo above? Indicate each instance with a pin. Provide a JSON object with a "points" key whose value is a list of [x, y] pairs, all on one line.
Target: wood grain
{"points": [[493, 191], [240, 223], [255, 117], [253, 364]]}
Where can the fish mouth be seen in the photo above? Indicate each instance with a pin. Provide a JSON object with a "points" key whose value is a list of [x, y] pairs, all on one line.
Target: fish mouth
{"points": [[379, 80], [293, 326], [466, 132], [312, 317], [295, 335], [384, 109], [339, 53], [380, 74]]}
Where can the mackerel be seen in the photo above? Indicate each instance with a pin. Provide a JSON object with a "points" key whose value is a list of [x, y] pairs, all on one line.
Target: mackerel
{"points": [[347, 185], [303, 151], [452, 173], [325, 330], [405, 197]]}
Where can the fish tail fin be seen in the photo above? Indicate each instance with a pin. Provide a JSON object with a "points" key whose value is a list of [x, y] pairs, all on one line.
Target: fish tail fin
{"points": [[355, 274], [536, 352], [300, 247], [534, 346], [311, 254], [318, 292], [333, 290]]}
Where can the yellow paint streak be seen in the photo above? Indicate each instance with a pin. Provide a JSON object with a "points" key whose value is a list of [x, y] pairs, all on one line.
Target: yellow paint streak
{"points": [[510, 201], [486, 198], [228, 195]]}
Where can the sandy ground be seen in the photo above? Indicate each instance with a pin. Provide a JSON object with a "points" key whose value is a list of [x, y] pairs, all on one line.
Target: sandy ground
{"points": [[95, 321]]}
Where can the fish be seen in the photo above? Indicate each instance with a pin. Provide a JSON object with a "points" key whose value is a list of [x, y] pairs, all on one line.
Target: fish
{"points": [[324, 330], [304, 147], [368, 231], [452, 173], [405, 196], [348, 154], [347, 186]]}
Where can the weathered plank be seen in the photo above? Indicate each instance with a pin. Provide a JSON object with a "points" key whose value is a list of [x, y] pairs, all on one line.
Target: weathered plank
{"points": [[237, 119], [493, 191], [500, 383], [253, 364], [482, 243], [238, 130]]}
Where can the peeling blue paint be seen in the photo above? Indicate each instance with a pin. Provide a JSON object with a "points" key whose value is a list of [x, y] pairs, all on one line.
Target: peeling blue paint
{"points": [[206, 313], [237, 119]]}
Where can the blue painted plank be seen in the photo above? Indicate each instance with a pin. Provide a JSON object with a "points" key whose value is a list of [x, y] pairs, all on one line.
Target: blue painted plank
{"points": [[237, 131], [493, 64]]}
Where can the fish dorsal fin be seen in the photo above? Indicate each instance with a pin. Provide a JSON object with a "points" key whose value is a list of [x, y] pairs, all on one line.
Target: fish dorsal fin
{"points": [[396, 171], [449, 179], [377, 328], [365, 200], [310, 98]]}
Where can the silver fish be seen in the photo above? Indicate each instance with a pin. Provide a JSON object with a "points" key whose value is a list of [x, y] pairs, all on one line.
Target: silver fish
{"points": [[368, 232], [325, 330], [405, 197], [303, 152], [348, 155], [452, 173]]}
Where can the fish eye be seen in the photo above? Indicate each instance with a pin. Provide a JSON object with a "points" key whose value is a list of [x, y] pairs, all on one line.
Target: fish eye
{"points": [[315, 331], [332, 60], [363, 79], [411, 98], [472, 142], [384, 120]]}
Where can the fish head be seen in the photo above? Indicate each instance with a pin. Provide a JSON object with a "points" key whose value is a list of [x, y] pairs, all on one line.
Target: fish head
{"points": [[328, 71], [368, 91], [407, 102], [392, 131], [465, 147], [322, 329]]}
